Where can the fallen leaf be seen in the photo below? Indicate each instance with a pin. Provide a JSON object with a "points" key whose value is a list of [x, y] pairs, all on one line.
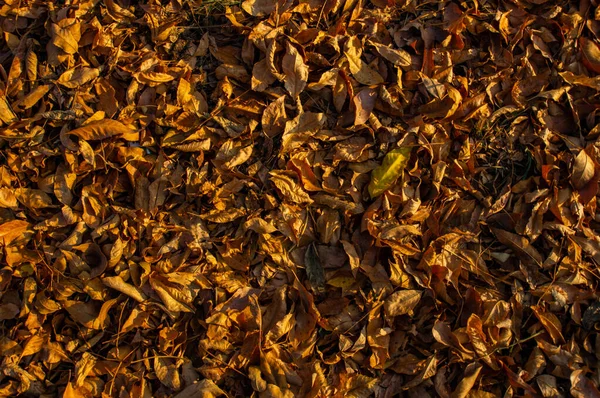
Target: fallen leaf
{"points": [[295, 70], [77, 77], [402, 302], [583, 170], [384, 176], [258, 8], [66, 34], [591, 54]]}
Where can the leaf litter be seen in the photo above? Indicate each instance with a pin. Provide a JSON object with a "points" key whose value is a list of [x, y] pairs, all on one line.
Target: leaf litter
{"points": [[341, 198]]}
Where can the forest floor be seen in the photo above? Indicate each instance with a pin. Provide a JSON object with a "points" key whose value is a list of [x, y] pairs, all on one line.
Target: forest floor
{"points": [[299, 198]]}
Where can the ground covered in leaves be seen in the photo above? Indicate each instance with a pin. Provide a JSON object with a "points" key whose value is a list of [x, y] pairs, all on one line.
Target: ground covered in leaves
{"points": [[299, 198]]}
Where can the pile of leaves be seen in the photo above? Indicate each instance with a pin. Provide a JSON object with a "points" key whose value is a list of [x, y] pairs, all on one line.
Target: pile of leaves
{"points": [[311, 198]]}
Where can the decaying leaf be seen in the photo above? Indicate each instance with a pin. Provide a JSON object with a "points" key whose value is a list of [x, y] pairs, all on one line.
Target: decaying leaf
{"points": [[184, 207]]}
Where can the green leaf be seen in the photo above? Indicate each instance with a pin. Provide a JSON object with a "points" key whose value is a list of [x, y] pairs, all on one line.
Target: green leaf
{"points": [[384, 176]]}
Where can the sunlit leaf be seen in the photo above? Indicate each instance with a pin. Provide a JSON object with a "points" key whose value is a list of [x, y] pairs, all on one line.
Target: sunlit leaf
{"points": [[384, 176]]}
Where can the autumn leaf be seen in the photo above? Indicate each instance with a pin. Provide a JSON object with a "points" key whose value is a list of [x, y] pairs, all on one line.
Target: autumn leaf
{"points": [[591, 54], [33, 97], [184, 208], [468, 381], [397, 57], [258, 8], [15, 231], [33, 345], [77, 77], [167, 372], [583, 170], [295, 70], [33, 198], [117, 283], [66, 35], [274, 117], [364, 102], [384, 176], [99, 130], [359, 69], [289, 188], [402, 302]]}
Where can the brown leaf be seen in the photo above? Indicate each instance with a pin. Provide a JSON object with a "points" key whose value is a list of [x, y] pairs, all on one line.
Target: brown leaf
{"points": [[359, 69], [6, 113], [520, 244], [274, 117], [314, 268], [259, 8], [583, 170], [33, 97], [364, 102], [298, 130], [289, 188], [15, 231], [66, 34], [550, 322], [397, 57], [402, 302], [467, 381], [262, 76], [117, 283], [581, 386], [99, 130], [295, 71], [590, 54], [203, 389], [33, 198], [167, 373], [76, 77]]}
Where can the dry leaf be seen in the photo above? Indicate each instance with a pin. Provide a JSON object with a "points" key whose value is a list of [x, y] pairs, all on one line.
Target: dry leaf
{"points": [[295, 71], [259, 8], [583, 170], [590, 54], [66, 35], [77, 77], [402, 302]]}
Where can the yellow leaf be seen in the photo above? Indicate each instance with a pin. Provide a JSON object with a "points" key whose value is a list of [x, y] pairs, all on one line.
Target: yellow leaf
{"points": [[66, 34], [32, 98], [76, 77], [15, 230], [384, 176], [98, 131], [117, 283], [289, 188], [468, 380], [343, 282], [6, 113], [154, 78], [33, 345], [167, 373]]}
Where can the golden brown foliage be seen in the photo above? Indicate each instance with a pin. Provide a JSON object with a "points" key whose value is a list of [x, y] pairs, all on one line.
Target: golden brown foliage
{"points": [[311, 198]]}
